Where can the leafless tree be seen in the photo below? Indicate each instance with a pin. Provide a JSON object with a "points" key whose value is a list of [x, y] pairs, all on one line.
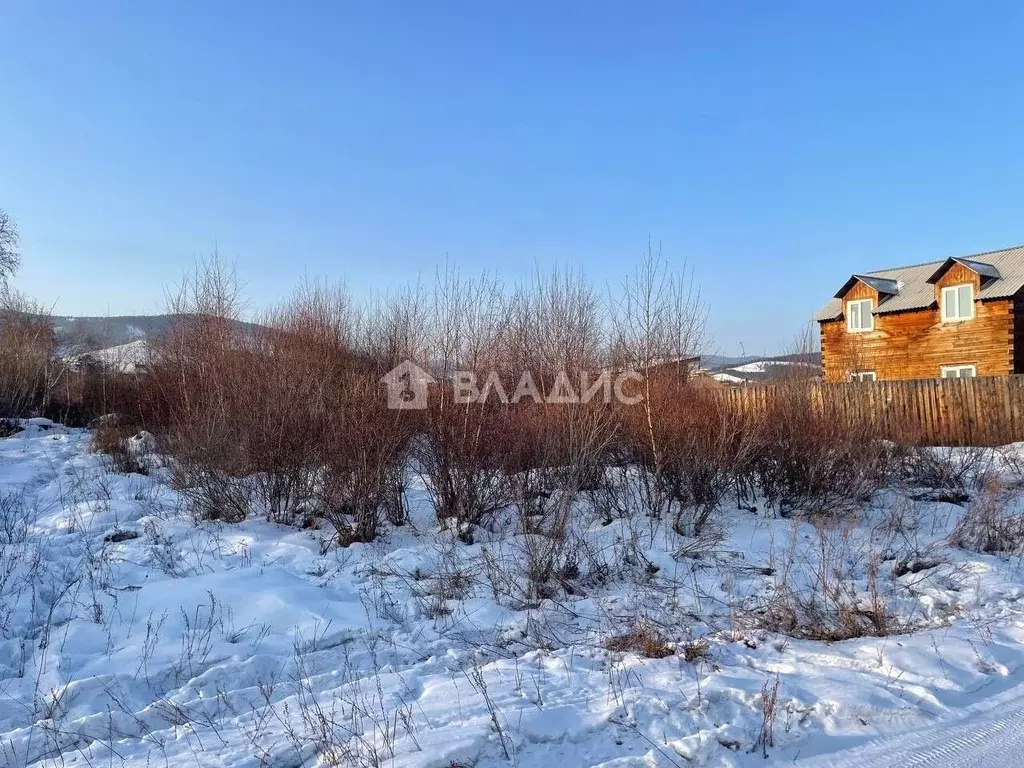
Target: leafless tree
{"points": [[659, 322], [10, 258]]}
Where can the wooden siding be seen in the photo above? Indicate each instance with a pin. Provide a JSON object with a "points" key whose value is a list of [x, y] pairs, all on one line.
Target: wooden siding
{"points": [[916, 344], [958, 274], [1018, 335]]}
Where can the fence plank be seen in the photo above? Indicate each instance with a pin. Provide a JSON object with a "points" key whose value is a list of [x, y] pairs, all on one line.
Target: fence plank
{"points": [[987, 410]]}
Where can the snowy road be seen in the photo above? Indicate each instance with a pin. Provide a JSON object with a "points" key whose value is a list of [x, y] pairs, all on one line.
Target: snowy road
{"points": [[989, 735]]}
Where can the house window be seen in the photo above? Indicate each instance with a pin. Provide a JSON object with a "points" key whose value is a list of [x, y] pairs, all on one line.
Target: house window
{"points": [[957, 303], [959, 371], [859, 317], [862, 376]]}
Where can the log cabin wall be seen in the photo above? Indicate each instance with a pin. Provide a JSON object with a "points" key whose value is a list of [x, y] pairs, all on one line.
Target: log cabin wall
{"points": [[1018, 335], [916, 344]]}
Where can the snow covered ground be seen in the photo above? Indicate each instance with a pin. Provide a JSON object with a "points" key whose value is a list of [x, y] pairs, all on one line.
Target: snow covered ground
{"points": [[132, 636]]}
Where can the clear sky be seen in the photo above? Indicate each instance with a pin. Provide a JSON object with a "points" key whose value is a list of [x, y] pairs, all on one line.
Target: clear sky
{"points": [[779, 146]]}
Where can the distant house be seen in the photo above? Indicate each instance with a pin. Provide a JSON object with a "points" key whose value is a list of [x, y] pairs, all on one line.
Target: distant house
{"points": [[960, 317], [681, 367]]}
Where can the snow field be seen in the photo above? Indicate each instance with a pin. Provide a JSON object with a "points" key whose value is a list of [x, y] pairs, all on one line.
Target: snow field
{"points": [[132, 636]]}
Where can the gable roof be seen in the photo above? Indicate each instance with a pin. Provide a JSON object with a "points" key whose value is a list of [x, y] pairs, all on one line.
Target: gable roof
{"points": [[1003, 273]]}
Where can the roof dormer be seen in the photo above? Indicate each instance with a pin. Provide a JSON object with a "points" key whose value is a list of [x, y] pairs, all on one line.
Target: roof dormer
{"points": [[987, 273], [883, 286]]}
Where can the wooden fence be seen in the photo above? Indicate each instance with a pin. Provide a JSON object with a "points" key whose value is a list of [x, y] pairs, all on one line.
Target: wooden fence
{"points": [[985, 410]]}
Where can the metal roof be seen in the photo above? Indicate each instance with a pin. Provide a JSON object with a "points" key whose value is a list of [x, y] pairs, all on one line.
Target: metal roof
{"points": [[916, 292]]}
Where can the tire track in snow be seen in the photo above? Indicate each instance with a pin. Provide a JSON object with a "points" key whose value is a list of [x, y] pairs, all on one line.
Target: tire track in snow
{"points": [[985, 739]]}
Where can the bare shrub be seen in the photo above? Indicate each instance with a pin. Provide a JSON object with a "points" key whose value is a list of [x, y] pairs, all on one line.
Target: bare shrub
{"points": [[110, 436], [84, 389], [769, 712], [237, 397], [816, 461], [688, 450], [828, 590], [559, 432], [365, 464], [210, 494], [460, 453], [27, 352], [951, 473], [703, 448], [285, 416], [989, 526], [569, 443], [202, 371], [659, 321], [461, 461]]}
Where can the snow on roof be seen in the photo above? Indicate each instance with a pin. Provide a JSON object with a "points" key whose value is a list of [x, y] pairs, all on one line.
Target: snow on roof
{"points": [[124, 357], [728, 378]]}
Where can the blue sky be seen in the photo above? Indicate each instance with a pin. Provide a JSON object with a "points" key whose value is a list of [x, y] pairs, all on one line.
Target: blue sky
{"points": [[778, 147]]}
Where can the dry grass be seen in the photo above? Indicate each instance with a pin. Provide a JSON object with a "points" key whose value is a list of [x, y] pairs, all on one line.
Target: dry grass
{"points": [[643, 640], [827, 589]]}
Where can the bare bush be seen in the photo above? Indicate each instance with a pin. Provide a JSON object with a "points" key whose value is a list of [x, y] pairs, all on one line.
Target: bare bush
{"points": [[238, 402], [461, 459], [687, 449], [828, 590], [201, 370], [769, 712], [951, 473], [285, 416], [814, 461], [110, 436], [703, 448], [365, 465], [989, 525], [460, 456], [27, 352]]}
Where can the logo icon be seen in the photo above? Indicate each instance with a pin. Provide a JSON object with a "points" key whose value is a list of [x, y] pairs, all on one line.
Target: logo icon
{"points": [[407, 386]]}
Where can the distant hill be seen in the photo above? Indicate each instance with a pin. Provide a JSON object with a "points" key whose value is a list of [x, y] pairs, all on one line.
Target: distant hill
{"points": [[714, 362], [99, 333], [750, 370]]}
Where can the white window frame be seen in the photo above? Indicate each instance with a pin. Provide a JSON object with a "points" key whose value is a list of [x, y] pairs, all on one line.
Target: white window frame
{"points": [[870, 303], [946, 369], [953, 290], [863, 376]]}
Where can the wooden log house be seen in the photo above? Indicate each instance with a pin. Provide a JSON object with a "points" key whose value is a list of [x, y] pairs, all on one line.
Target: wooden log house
{"points": [[956, 318]]}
